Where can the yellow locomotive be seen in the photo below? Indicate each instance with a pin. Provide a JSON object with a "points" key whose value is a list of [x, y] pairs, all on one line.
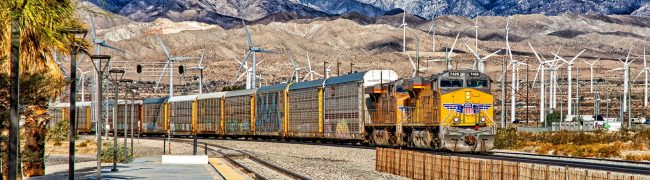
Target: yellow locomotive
{"points": [[452, 110]]}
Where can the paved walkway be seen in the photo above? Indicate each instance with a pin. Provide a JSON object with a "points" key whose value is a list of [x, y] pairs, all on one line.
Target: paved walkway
{"points": [[142, 168]]}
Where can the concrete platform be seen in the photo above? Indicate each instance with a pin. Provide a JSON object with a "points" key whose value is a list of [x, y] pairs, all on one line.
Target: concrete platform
{"points": [[142, 168], [152, 168]]}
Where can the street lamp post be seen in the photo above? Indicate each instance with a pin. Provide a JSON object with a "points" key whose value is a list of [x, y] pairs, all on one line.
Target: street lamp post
{"points": [[116, 75], [75, 48], [133, 90], [126, 116], [100, 67]]}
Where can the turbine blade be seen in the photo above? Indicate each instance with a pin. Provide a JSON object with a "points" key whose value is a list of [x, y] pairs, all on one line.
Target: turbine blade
{"points": [[494, 53], [161, 75], [162, 45], [248, 34], [453, 46], [201, 62], [411, 61], [243, 62], [637, 76], [103, 44], [535, 52], [92, 26], [616, 69], [576, 57], [182, 58], [473, 52]]}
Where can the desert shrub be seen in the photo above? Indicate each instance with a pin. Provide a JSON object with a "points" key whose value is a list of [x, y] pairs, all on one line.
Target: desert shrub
{"points": [[636, 157], [107, 154], [59, 132], [57, 143], [83, 144], [506, 138]]}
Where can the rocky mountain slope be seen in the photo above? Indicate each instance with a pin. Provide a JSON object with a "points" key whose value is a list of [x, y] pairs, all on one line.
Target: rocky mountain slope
{"points": [[227, 13]]}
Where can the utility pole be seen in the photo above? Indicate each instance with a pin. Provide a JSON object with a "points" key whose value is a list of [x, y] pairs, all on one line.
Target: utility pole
{"points": [[338, 68], [351, 65], [325, 69], [117, 76]]}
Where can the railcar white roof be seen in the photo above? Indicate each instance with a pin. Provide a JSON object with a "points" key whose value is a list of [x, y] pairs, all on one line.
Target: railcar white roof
{"points": [[84, 104], [61, 105], [373, 77], [243, 92], [182, 98], [210, 95]]}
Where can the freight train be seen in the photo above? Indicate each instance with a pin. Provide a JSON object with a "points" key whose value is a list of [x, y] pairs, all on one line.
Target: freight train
{"points": [[452, 110]]}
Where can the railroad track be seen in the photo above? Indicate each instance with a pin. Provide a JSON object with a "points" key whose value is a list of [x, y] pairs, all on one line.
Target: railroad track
{"points": [[602, 160], [613, 165], [249, 163]]}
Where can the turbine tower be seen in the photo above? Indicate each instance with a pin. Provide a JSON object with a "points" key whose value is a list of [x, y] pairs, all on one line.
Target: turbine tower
{"points": [[252, 49], [626, 72], [645, 84], [200, 67], [403, 26], [169, 65], [542, 90], [591, 74], [569, 69]]}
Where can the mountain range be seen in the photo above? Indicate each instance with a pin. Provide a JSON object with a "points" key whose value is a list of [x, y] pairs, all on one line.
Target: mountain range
{"points": [[228, 13]]}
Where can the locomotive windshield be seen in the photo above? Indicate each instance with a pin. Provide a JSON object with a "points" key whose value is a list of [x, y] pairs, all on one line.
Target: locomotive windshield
{"points": [[451, 83], [477, 83]]}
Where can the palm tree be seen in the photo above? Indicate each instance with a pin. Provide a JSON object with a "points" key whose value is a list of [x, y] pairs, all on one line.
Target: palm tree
{"points": [[33, 27]]}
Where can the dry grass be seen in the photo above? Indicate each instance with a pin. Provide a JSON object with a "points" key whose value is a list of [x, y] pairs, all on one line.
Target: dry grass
{"points": [[637, 157], [579, 144], [82, 147]]}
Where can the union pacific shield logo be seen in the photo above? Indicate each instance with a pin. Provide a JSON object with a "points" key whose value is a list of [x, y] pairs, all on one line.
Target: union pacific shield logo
{"points": [[467, 108]]}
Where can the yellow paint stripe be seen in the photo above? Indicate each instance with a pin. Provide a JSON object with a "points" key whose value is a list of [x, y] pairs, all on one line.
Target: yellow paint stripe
{"points": [[224, 169]]}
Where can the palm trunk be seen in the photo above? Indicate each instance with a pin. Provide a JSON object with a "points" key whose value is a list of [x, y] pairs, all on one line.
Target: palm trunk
{"points": [[14, 141], [36, 119]]}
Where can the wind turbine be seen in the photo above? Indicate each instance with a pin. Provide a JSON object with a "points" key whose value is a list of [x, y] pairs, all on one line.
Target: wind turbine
{"points": [[553, 67], [448, 54], [83, 86], [542, 68], [432, 29], [515, 71], [252, 49], [479, 63], [170, 64], [626, 72], [328, 70], [569, 69], [591, 74], [645, 85], [296, 69], [200, 67], [248, 73], [311, 71], [416, 65], [403, 26]]}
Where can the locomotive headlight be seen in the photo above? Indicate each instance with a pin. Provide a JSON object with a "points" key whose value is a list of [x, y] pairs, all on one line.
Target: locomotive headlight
{"points": [[482, 119], [467, 95], [456, 120]]}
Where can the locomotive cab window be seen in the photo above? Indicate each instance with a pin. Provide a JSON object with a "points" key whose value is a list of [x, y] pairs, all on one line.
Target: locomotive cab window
{"points": [[451, 83], [477, 83]]}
